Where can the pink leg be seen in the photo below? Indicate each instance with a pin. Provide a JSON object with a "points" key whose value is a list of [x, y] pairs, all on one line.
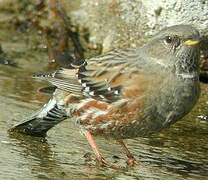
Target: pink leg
{"points": [[95, 149], [131, 160]]}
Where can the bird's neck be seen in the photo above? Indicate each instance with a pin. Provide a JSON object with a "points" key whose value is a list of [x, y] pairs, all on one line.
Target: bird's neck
{"points": [[187, 66], [191, 76], [187, 71]]}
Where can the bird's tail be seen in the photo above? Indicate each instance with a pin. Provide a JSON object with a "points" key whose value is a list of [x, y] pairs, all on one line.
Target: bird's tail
{"points": [[50, 115]]}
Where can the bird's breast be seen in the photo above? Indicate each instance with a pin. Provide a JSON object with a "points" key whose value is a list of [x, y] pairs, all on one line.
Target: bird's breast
{"points": [[172, 101]]}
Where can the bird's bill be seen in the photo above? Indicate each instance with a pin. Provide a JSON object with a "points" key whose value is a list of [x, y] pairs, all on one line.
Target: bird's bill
{"points": [[191, 42]]}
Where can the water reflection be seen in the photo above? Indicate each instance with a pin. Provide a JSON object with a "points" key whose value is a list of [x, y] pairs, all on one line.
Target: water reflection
{"points": [[42, 162]]}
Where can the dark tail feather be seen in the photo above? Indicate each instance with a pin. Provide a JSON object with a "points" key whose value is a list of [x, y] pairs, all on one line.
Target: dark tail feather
{"points": [[50, 115]]}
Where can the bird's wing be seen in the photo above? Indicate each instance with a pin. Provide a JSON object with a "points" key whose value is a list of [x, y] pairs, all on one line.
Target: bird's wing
{"points": [[103, 77]]}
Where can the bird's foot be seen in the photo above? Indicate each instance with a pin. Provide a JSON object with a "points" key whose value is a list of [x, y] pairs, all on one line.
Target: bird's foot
{"points": [[103, 163], [131, 161]]}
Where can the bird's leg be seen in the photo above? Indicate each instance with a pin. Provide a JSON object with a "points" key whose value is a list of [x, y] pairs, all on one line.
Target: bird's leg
{"points": [[95, 149], [131, 160], [98, 155]]}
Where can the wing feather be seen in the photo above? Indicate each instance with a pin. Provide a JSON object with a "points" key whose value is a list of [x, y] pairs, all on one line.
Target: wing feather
{"points": [[97, 77]]}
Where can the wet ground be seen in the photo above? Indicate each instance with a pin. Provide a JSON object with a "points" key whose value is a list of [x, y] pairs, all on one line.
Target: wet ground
{"points": [[177, 153]]}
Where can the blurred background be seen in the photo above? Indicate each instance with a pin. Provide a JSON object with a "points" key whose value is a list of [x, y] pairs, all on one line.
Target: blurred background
{"points": [[42, 35]]}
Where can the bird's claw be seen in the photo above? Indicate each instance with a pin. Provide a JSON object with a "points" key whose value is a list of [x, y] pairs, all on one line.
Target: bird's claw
{"points": [[103, 163], [131, 162]]}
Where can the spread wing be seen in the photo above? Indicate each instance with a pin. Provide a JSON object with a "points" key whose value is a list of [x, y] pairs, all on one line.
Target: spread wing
{"points": [[103, 77]]}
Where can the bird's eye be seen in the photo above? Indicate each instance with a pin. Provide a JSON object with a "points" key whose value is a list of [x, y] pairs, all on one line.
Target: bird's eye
{"points": [[172, 41], [168, 40]]}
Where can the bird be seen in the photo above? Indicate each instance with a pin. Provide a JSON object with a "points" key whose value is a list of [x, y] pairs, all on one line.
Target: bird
{"points": [[125, 93]]}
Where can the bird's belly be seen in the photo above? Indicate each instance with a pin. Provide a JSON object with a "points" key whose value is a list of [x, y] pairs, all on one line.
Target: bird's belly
{"points": [[159, 114]]}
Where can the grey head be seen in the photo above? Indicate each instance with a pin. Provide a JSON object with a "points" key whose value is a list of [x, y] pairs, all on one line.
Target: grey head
{"points": [[176, 48]]}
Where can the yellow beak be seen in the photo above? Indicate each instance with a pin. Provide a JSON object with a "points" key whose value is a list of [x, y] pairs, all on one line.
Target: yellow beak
{"points": [[191, 42]]}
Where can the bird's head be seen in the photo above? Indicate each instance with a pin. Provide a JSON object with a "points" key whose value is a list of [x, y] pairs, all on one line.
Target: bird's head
{"points": [[176, 47]]}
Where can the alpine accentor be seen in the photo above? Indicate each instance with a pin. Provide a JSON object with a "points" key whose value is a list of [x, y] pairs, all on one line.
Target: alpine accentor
{"points": [[126, 93]]}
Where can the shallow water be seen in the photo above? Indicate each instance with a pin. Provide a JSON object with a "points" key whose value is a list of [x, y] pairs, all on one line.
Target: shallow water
{"points": [[177, 153]]}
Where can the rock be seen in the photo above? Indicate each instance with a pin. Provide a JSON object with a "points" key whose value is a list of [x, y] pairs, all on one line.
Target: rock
{"points": [[120, 23]]}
